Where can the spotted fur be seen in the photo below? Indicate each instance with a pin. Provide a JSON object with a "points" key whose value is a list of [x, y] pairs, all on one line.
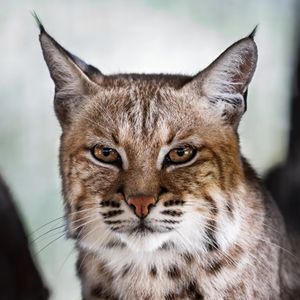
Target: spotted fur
{"points": [[214, 232]]}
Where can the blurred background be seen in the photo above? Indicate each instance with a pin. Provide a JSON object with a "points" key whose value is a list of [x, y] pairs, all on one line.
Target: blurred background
{"points": [[153, 36]]}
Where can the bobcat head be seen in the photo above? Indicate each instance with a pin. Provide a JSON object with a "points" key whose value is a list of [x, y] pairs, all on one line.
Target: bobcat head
{"points": [[148, 160]]}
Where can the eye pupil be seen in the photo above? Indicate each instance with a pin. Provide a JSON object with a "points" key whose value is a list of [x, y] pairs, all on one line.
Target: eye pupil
{"points": [[106, 151], [180, 151]]}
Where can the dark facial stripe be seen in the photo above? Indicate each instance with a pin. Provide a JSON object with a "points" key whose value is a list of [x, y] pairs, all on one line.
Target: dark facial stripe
{"points": [[219, 163], [169, 221], [173, 213], [145, 117], [112, 213], [173, 203], [110, 203], [167, 228], [116, 228], [113, 222], [212, 243], [115, 244]]}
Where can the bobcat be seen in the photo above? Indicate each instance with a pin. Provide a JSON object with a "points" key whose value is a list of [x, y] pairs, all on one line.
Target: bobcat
{"points": [[159, 199]]}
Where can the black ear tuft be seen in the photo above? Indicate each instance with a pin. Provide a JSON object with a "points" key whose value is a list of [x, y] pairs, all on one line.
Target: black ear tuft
{"points": [[253, 33], [90, 71], [38, 21]]}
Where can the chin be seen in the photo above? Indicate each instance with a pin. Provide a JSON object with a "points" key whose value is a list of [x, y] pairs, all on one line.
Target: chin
{"points": [[144, 241]]}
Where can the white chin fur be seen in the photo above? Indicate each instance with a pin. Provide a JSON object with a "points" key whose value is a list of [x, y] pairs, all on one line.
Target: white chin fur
{"points": [[145, 243]]}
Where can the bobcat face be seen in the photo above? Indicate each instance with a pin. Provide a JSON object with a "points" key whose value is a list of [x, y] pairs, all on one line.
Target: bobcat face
{"points": [[151, 160], [147, 129]]}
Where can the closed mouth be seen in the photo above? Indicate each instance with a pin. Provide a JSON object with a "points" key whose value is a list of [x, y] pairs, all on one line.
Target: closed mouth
{"points": [[141, 228]]}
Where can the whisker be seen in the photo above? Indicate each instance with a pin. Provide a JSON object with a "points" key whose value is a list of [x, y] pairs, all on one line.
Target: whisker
{"points": [[47, 232], [62, 218], [48, 223], [50, 243], [86, 223], [65, 260], [72, 222], [81, 211]]}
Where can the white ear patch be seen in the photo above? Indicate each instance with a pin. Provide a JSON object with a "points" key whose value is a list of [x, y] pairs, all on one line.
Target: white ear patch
{"points": [[231, 73], [224, 82]]}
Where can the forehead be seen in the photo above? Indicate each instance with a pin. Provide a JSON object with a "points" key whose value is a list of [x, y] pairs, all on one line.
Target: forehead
{"points": [[141, 107]]}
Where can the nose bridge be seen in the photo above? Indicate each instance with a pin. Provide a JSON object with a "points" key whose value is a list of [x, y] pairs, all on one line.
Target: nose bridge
{"points": [[141, 181]]}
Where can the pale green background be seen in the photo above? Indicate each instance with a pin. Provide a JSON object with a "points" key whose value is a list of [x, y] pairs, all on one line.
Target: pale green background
{"points": [[126, 36]]}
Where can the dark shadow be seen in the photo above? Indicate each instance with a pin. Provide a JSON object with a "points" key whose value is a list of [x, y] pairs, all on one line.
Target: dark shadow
{"points": [[19, 277], [283, 181]]}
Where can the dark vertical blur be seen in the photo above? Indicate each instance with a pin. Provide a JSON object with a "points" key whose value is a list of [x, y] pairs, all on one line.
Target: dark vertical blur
{"points": [[283, 181], [19, 277]]}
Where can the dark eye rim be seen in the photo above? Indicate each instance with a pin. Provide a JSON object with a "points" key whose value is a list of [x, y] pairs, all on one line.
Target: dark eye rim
{"points": [[117, 162], [167, 161]]}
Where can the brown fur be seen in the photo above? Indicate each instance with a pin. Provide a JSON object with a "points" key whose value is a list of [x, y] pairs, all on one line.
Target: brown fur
{"points": [[214, 232]]}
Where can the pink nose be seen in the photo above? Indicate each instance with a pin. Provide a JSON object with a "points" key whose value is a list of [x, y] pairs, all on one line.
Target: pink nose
{"points": [[141, 204]]}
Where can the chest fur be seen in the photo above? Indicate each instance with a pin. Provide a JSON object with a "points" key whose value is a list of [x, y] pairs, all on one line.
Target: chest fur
{"points": [[119, 273]]}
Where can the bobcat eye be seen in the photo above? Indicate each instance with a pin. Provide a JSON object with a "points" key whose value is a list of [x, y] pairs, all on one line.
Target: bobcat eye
{"points": [[106, 154], [180, 154]]}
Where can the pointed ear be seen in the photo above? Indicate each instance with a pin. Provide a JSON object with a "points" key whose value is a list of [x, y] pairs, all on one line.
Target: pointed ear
{"points": [[74, 79], [223, 84]]}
